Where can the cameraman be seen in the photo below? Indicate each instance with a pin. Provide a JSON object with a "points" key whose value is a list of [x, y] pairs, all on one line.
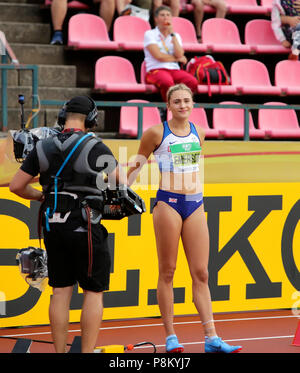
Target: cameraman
{"points": [[77, 250]]}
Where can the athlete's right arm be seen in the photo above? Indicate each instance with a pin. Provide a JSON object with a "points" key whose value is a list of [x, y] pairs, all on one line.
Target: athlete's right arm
{"points": [[149, 141]]}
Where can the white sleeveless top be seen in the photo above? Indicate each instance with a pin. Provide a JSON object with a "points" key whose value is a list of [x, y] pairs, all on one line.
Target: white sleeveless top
{"points": [[178, 154]]}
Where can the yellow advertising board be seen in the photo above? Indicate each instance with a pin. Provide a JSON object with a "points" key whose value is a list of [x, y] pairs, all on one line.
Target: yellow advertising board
{"points": [[254, 260], [254, 246]]}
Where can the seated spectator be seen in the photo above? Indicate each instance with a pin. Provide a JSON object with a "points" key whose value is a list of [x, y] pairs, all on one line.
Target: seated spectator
{"points": [[176, 5], [163, 54], [285, 19], [59, 10]]}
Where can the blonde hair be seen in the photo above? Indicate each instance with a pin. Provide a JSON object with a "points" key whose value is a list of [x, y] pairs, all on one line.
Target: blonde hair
{"points": [[178, 87]]}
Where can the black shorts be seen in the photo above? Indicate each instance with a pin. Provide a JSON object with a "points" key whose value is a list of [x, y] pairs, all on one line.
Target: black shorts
{"points": [[68, 257]]}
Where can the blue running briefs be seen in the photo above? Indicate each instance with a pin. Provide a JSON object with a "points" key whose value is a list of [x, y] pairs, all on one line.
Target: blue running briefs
{"points": [[184, 204]]}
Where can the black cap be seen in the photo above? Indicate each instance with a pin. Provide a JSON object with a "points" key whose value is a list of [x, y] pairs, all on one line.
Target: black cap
{"points": [[80, 104]]}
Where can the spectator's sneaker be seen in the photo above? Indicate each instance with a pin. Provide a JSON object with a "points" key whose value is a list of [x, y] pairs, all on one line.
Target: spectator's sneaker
{"points": [[57, 38], [172, 344], [216, 345]]}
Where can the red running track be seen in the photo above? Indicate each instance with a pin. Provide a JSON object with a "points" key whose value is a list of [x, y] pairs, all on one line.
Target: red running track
{"points": [[257, 332]]}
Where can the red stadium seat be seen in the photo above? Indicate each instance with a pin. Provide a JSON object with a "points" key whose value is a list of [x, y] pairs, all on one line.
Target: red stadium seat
{"points": [[129, 32], [261, 39], [72, 4], [88, 31], [129, 118], [222, 35], [116, 74], [279, 123], [287, 77], [252, 77], [230, 122], [187, 31], [199, 118]]}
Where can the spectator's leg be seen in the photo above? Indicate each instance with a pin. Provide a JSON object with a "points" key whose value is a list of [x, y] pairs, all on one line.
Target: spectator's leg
{"points": [[162, 79], [107, 11], [182, 76], [220, 5], [58, 14], [198, 16], [175, 7], [121, 6]]}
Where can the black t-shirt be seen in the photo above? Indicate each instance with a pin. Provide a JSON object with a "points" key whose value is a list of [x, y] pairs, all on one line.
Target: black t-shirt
{"points": [[31, 162]]}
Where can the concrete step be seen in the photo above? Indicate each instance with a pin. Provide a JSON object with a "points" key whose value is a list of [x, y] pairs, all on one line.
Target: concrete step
{"points": [[22, 12], [48, 76], [39, 54], [45, 93], [46, 116], [25, 32]]}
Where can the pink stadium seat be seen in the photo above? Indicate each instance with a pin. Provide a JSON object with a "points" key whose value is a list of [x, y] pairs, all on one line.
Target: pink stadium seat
{"points": [[187, 31], [267, 4], [88, 31], [261, 39], [129, 32], [150, 87], [252, 77], [244, 7], [222, 35], [230, 122], [287, 77], [279, 123], [129, 118], [116, 74], [199, 118], [72, 4]]}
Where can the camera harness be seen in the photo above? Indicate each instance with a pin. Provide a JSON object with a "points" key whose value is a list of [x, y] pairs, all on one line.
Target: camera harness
{"points": [[49, 213]]}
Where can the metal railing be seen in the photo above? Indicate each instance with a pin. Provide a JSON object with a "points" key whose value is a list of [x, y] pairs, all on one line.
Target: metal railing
{"points": [[4, 67], [246, 107]]}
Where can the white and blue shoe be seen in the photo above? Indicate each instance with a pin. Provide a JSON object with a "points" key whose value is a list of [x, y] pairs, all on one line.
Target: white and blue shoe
{"points": [[172, 344], [216, 345]]}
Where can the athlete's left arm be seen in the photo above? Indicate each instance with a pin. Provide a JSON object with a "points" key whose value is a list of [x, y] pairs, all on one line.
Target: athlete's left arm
{"points": [[20, 185], [201, 134]]}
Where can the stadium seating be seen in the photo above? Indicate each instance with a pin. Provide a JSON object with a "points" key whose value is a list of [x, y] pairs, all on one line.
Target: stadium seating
{"points": [[252, 77], [267, 4], [279, 123], [129, 118], [230, 122], [260, 37], [129, 32], [116, 74], [187, 31], [245, 7], [88, 31], [287, 77], [222, 35], [198, 117]]}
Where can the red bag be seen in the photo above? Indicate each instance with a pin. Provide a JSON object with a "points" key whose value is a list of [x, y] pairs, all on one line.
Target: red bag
{"points": [[208, 71]]}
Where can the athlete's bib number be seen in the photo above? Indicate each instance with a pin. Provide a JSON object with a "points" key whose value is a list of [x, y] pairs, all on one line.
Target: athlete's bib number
{"points": [[186, 156]]}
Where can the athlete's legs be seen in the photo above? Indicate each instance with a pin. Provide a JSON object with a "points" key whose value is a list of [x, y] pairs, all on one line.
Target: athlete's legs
{"points": [[59, 316], [167, 227], [195, 239], [91, 317]]}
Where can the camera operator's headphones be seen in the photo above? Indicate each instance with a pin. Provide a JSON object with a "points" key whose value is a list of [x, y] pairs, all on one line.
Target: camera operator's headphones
{"points": [[91, 116]]}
